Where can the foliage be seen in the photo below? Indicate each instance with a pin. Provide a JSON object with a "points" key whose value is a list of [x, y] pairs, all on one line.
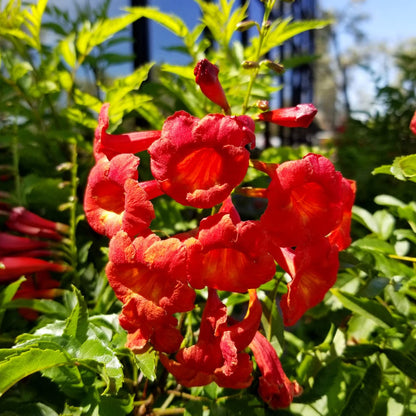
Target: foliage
{"points": [[355, 353], [365, 145]]}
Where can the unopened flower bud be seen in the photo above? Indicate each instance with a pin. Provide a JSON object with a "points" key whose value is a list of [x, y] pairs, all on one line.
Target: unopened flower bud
{"points": [[263, 105], [274, 66], [246, 25], [299, 116], [249, 64], [206, 76], [267, 24]]}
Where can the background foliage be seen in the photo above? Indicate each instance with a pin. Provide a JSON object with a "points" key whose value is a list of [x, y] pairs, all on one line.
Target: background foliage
{"points": [[353, 354]]}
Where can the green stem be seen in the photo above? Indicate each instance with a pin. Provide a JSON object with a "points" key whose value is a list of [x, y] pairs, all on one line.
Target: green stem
{"points": [[255, 71]]}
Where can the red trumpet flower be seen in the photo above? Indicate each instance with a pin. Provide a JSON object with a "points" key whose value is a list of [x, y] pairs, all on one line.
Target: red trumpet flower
{"points": [[218, 355], [229, 254], [274, 386], [306, 199], [300, 116], [313, 269], [206, 76], [111, 145], [115, 200], [199, 162], [149, 276]]}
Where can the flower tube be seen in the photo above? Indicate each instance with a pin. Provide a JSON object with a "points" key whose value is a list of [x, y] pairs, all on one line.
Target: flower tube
{"points": [[274, 386], [111, 145], [300, 116]]}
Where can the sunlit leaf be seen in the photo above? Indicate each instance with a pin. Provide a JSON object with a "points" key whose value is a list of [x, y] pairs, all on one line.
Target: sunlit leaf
{"points": [[366, 307], [169, 21], [26, 362]]}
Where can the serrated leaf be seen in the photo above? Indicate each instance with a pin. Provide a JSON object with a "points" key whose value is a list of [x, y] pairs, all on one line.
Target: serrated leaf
{"points": [[112, 370], [147, 364], [364, 396], [27, 362], [366, 307], [403, 362], [77, 323]]}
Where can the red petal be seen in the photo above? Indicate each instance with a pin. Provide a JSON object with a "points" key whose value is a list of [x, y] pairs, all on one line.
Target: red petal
{"points": [[314, 271]]}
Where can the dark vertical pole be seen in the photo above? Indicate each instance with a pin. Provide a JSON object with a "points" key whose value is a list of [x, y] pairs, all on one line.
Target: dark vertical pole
{"points": [[140, 37]]}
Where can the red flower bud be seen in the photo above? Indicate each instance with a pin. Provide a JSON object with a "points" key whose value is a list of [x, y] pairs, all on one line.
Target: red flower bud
{"points": [[10, 243], [206, 76], [299, 116], [13, 267], [413, 123], [27, 222]]}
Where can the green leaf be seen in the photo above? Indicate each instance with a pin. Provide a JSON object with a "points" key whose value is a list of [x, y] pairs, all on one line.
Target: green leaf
{"points": [[91, 36], [112, 370], [402, 168], [77, 323], [66, 48], [169, 21], [374, 244], [385, 223], [48, 307], [360, 351], [7, 294], [365, 218], [147, 364], [364, 396], [27, 362], [403, 362], [388, 200], [284, 29], [366, 307]]}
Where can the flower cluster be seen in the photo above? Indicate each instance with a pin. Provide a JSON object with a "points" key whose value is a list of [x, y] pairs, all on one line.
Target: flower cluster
{"points": [[24, 249], [198, 163]]}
